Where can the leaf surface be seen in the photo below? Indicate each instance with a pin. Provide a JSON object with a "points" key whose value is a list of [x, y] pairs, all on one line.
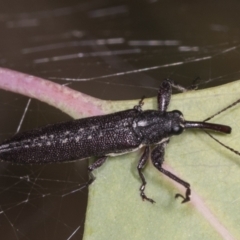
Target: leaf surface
{"points": [[115, 209]]}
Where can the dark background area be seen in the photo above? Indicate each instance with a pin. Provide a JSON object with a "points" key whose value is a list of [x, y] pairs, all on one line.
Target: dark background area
{"points": [[114, 50]]}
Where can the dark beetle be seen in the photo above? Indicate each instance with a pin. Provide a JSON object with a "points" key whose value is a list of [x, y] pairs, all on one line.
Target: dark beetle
{"points": [[107, 135]]}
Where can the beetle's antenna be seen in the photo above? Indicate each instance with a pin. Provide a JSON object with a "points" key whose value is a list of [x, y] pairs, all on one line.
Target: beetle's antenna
{"points": [[215, 139], [229, 106], [229, 148]]}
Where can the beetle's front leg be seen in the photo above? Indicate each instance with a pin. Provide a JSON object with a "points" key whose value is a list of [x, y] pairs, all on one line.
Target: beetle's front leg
{"points": [[164, 95], [98, 163], [165, 92], [193, 86], [157, 157], [141, 164]]}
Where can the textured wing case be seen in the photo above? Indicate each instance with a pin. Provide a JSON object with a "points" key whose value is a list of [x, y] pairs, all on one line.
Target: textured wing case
{"points": [[95, 136]]}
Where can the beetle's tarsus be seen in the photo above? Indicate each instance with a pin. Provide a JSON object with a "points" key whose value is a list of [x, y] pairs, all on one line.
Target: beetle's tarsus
{"points": [[187, 196], [144, 197]]}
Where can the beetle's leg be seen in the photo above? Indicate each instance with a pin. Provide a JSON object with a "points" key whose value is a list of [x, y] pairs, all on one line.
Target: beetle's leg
{"points": [[164, 95], [98, 163], [195, 84], [157, 157], [140, 104], [141, 164], [180, 88], [165, 92]]}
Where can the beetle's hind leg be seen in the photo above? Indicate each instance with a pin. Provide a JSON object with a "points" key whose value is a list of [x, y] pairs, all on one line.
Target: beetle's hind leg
{"points": [[98, 163], [157, 157], [141, 164]]}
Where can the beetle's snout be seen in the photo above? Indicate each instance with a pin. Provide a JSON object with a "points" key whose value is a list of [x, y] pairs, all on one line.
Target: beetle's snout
{"points": [[209, 126]]}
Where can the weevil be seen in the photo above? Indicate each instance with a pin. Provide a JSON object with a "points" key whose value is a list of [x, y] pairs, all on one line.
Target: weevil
{"points": [[108, 135]]}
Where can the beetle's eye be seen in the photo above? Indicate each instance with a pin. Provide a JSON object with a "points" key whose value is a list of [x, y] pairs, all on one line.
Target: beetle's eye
{"points": [[177, 113], [177, 129]]}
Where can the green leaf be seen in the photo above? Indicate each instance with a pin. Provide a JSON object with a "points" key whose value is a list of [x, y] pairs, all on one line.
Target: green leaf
{"points": [[115, 209]]}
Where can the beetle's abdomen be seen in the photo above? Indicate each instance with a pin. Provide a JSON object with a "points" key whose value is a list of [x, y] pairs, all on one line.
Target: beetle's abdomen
{"points": [[95, 136]]}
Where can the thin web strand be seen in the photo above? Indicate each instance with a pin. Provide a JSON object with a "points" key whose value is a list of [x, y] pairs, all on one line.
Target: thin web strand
{"points": [[223, 110], [229, 148]]}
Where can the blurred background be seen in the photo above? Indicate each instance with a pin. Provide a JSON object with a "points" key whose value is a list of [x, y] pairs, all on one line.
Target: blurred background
{"points": [[112, 49]]}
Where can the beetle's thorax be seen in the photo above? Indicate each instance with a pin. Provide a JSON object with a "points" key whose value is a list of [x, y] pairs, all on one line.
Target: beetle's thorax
{"points": [[154, 126]]}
